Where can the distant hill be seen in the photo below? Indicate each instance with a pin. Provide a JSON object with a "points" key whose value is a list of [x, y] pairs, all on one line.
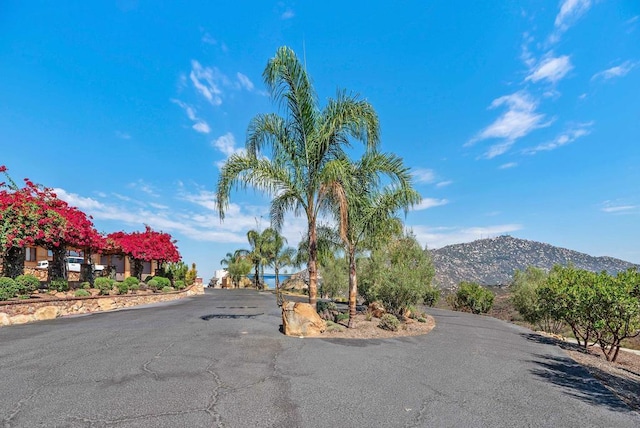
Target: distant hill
{"points": [[493, 261]]}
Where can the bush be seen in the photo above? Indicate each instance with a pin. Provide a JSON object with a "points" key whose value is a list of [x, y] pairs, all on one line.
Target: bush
{"points": [[123, 287], [134, 287], [153, 284], [27, 284], [162, 282], [389, 322], [179, 284], [397, 275], [167, 289], [132, 280], [104, 285], [472, 297], [59, 284], [85, 285], [8, 288], [431, 296], [82, 293], [342, 316]]}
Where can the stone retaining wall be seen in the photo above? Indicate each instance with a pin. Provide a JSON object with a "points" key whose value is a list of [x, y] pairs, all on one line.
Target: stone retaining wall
{"points": [[23, 311]]}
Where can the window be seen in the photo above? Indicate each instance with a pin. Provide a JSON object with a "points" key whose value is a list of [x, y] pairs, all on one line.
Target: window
{"points": [[30, 254]]}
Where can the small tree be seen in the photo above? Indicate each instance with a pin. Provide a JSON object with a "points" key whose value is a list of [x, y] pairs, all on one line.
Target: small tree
{"points": [[472, 297], [527, 302]]}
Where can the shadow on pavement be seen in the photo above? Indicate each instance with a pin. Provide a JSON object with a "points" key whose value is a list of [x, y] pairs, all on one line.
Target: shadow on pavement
{"points": [[576, 381]]}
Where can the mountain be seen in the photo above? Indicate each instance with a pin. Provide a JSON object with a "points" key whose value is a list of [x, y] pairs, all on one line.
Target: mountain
{"points": [[493, 261]]}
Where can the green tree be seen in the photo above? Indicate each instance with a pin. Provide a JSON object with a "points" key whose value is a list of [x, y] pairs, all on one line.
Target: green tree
{"points": [[472, 297], [397, 274], [261, 248], [238, 269], [526, 300], [335, 277], [278, 256], [365, 207], [302, 144]]}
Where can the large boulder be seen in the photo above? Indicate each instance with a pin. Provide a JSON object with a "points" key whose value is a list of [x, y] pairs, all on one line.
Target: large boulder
{"points": [[301, 319], [46, 313], [376, 309]]}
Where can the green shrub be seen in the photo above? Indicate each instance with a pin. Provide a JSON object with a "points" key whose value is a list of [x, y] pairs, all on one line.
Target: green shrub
{"points": [[8, 288], [153, 284], [82, 293], [179, 284], [431, 296], [389, 322], [342, 317], [134, 287], [85, 285], [162, 282], [104, 284], [322, 306], [59, 284], [132, 280], [122, 287], [27, 284], [422, 319], [167, 289], [472, 297]]}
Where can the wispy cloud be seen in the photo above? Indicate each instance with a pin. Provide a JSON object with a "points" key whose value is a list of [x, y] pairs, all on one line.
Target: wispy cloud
{"points": [[429, 203], [123, 135], [436, 237], [245, 82], [444, 183], [519, 120], [422, 175], [508, 165], [567, 137], [570, 12], [288, 14], [551, 69], [617, 71], [199, 124], [227, 145], [618, 207], [144, 187], [206, 80]]}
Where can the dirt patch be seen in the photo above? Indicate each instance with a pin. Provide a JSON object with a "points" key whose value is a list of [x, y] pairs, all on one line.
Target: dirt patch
{"points": [[369, 329]]}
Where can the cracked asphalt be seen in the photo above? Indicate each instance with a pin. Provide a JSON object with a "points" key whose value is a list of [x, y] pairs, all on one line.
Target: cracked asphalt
{"points": [[219, 361]]}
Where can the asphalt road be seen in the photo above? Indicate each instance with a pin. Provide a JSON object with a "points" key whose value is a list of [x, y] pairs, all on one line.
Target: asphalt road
{"points": [[219, 360]]}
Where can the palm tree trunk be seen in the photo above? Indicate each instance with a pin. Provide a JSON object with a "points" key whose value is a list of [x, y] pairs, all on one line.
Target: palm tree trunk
{"points": [[312, 265], [353, 288], [257, 276]]}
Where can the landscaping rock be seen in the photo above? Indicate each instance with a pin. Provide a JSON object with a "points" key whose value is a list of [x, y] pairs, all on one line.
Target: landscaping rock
{"points": [[106, 304], [301, 319], [21, 319], [377, 310], [46, 313], [4, 319]]}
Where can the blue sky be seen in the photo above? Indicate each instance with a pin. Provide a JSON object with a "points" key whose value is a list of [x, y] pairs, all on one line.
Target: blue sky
{"points": [[517, 118]]}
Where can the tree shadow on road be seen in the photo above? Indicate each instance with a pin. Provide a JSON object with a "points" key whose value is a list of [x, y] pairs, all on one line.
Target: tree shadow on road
{"points": [[574, 379]]}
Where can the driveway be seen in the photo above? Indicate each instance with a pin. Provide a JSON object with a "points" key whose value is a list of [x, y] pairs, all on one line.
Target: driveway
{"points": [[219, 360]]}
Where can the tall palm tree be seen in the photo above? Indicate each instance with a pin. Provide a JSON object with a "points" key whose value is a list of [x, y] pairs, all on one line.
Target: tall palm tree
{"points": [[367, 207], [301, 144], [261, 246]]}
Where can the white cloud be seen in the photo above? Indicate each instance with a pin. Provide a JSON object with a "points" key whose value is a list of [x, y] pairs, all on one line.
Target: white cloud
{"points": [[519, 120], [202, 127], [422, 175], [288, 14], [226, 144], [123, 135], [551, 69], [443, 183], [436, 237], [245, 82], [617, 71], [429, 203], [207, 82], [570, 12], [567, 137], [508, 165], [78, 201], [144, 187], [199, 125], [618, 209]]}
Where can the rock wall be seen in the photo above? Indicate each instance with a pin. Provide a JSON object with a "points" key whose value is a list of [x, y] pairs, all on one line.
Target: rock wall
{"points": [[20, 312]]}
